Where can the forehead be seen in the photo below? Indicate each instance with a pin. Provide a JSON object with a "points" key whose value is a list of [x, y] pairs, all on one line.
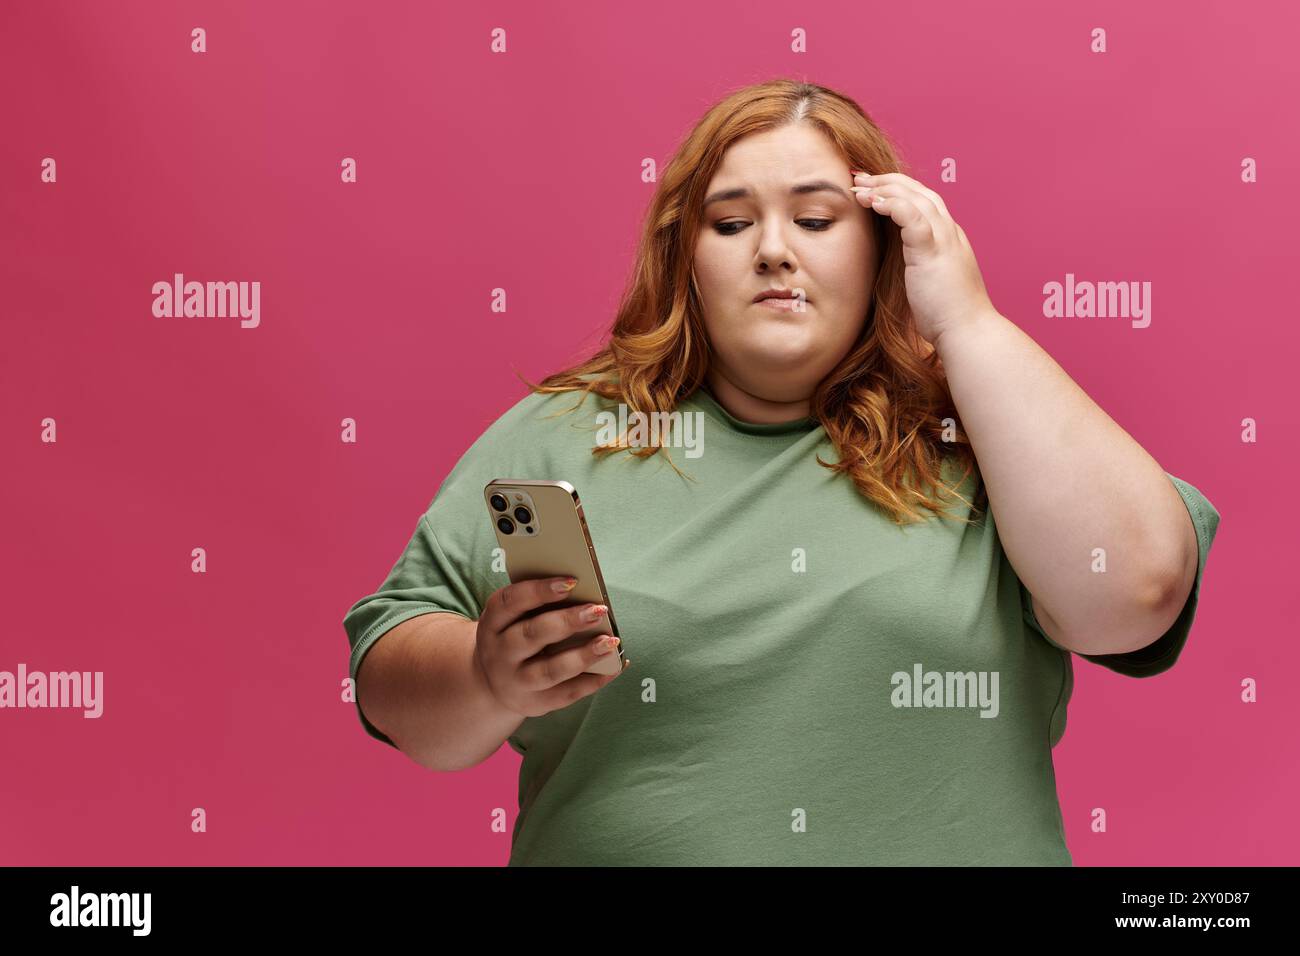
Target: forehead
{"points": [[779, 156]]}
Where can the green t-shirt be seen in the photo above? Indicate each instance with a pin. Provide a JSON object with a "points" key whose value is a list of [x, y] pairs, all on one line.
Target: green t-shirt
{"points": [[777, 623]]}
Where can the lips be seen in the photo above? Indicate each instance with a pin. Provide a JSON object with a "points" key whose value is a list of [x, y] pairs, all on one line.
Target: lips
{"points": [[776, 294], [783, 304], [780, 300]]}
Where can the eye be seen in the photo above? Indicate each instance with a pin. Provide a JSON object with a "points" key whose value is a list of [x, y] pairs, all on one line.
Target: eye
{"points": [[816, 225]]}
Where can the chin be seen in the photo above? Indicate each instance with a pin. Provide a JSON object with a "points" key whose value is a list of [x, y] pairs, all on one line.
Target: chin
{"points": [[782, 357], [783, 331]]}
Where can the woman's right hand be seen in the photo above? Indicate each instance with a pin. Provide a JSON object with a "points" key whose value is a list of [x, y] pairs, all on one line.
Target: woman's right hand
{"points": [[509, 648]]}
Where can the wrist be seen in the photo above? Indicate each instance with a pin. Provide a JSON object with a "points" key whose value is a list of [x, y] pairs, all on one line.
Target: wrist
{"points": [[970, 327], [485, 692]]}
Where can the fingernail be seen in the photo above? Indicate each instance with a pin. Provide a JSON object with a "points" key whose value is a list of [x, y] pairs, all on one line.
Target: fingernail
{"points": [[593, 612], [606, 643], [567, 584]]}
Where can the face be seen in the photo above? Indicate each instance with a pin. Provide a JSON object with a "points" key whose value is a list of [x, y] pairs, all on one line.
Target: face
{"points": [[818, 240]]}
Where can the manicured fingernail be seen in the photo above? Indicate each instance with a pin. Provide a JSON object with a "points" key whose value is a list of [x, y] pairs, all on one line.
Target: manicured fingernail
{"points": [[606, 643], [593, 612], [567, 584]]}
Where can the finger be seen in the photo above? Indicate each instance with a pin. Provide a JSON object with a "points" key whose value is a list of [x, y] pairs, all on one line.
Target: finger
{"points": [[961, 234], [533, 634], [562, 695], [905, 208], [508, 604], [547, 671], [863, 195], [942, 226], [886, 179]]}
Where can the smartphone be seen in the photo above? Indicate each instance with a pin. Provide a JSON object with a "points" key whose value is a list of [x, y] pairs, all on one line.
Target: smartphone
{"points": [[541, 529]]}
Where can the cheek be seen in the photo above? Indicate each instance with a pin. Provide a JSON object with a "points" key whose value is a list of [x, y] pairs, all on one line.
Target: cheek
{"points": [[718, 273], [841, 268], [716, 262]]}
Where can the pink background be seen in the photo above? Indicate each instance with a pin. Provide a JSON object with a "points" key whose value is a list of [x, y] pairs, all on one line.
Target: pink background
{"points": [[522, 171]]}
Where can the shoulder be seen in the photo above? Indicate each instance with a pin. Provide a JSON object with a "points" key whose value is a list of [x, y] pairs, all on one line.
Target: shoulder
{"points": [[531, 437], [535, 429], [544, 412]]}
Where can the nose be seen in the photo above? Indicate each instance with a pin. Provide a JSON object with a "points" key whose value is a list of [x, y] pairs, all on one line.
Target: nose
{"points": [[773, 247]]}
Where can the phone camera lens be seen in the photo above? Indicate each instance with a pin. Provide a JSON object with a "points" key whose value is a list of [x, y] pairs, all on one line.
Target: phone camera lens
{"points": [[506, 525], [523, 515], [499, 502]]}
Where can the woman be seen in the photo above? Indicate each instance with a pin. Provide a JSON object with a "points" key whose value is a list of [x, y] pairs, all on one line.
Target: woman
{"points": [[836, 656]]}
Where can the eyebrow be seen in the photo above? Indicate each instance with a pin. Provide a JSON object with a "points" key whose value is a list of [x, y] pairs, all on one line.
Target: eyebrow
{"points": [[817, 185]]}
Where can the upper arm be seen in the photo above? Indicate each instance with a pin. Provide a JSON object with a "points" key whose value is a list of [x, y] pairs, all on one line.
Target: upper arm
{"points": [[1161, 654], [1046, 623]]}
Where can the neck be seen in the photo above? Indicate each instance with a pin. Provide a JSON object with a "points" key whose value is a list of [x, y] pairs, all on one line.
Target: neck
{"points": [[752, 408]]}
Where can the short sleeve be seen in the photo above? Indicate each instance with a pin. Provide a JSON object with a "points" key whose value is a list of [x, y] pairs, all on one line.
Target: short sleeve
{"points": [[450, 562], [423, 581], [1160, 655]]}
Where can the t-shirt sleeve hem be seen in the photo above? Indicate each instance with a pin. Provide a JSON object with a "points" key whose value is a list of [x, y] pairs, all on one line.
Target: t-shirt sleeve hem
{"points": [[422, 581], [367, 641], [1163, 653]]}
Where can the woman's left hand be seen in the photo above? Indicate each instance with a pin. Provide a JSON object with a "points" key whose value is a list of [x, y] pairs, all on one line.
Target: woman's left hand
{"points": [[944, 285]]}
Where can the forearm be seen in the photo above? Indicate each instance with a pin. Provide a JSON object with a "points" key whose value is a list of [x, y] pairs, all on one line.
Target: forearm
{"points": [[1064, 479], [418, 684]]}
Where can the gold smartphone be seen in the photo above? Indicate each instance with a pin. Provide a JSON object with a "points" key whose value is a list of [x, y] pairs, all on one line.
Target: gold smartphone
{"points": [[541, 529]]}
